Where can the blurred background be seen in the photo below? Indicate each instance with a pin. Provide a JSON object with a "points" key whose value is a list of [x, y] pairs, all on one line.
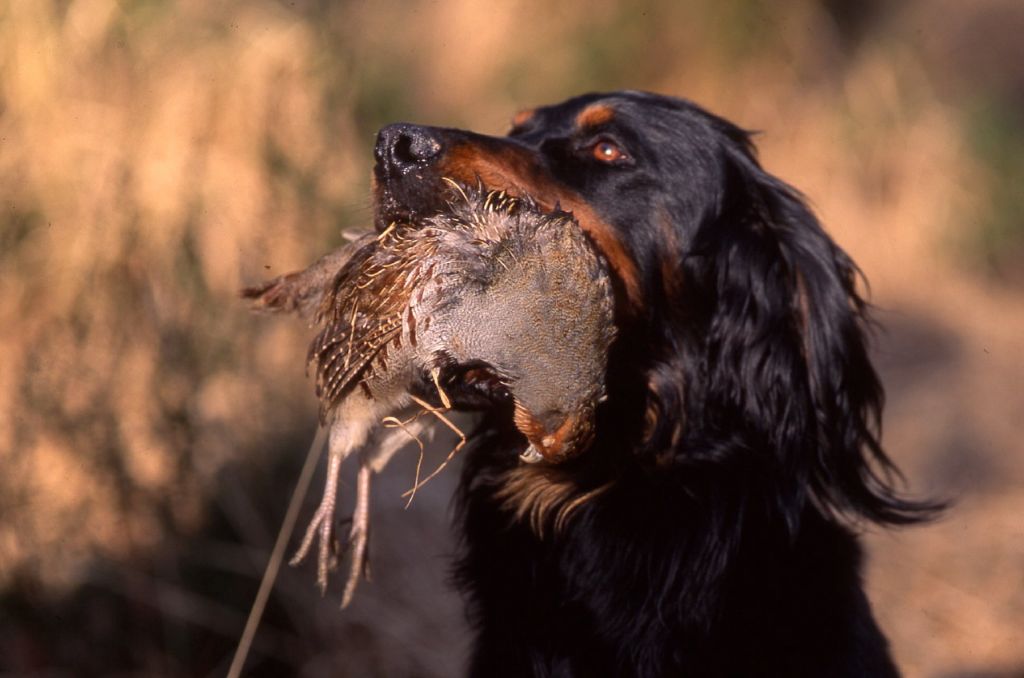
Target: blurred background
{"points": [[156, 155]]}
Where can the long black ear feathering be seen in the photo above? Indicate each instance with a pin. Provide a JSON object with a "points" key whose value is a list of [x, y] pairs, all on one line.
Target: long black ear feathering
{"points": [[783, 351]]}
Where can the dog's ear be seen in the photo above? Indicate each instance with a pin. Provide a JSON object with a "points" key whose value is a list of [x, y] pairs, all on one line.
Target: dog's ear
{"points": [[774, 352]]}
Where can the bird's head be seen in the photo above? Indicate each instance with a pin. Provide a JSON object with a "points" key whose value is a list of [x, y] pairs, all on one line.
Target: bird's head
{"points": [[554, 434]]}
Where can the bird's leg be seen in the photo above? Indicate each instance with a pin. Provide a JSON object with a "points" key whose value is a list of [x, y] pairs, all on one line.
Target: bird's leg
{"points": [[372, 460], [322, 524], [347, 434], [358, 536]]}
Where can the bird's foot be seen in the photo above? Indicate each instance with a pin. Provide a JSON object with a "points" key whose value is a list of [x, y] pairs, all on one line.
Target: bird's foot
{"points": [[321, 527], [359, 534], [321, 530]]}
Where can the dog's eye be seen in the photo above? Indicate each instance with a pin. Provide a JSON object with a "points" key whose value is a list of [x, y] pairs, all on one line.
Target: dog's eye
{"points": [[609, 152]]}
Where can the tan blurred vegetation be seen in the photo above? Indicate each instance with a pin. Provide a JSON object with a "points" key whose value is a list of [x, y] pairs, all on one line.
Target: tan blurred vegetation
{"points": [[157, 155]]}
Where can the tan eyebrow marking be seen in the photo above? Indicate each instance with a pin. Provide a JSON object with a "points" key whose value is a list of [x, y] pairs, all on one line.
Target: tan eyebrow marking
{"points": [[522, 117], [594, 115]]}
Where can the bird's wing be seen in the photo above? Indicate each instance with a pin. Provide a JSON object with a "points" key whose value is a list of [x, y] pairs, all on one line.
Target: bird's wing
{"points": [[302, 291], [362, 312], [340, 361]]}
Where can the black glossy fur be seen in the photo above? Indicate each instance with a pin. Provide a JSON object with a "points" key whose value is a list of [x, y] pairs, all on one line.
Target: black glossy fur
{"points": [[739, 445]]}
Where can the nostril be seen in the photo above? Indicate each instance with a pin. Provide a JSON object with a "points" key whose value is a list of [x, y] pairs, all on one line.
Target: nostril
{"points": [[402, 145], [401, 151], [415, 146]]}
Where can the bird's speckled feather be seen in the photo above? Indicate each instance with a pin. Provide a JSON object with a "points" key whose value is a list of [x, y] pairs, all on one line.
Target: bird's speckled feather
{"points": [[492, 280]]}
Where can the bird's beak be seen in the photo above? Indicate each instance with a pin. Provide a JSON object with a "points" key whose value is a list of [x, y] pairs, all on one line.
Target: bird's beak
{"points": [[531, 455]]}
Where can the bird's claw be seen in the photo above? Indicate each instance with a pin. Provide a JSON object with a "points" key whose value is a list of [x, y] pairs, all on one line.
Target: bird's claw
{"points": [[321, 530], [358, 536]]}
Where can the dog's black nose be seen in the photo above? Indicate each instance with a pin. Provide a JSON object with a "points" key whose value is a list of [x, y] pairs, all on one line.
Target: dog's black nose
{"points": [[401, 146]]}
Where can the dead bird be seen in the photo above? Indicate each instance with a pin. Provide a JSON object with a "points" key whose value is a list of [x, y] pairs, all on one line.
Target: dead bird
{"points": [[494, 290]]}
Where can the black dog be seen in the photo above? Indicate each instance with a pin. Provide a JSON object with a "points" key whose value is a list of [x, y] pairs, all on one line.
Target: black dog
{"points": [[706, 532]]}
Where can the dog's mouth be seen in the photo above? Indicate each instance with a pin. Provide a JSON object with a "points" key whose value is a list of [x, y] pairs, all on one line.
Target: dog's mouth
{"points": [[388, 209], [408, 198], [414, 202], [474, 385]]}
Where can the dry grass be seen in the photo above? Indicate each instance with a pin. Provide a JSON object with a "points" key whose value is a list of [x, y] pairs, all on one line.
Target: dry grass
{"points": [[156, 155], [139, 179]]}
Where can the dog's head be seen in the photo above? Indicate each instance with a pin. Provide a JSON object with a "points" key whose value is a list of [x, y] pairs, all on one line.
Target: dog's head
{"points": [[741, 330]]}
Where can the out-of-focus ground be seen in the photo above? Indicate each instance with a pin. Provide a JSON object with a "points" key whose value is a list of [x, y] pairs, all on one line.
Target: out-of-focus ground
{"points": [[157, 155]]}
